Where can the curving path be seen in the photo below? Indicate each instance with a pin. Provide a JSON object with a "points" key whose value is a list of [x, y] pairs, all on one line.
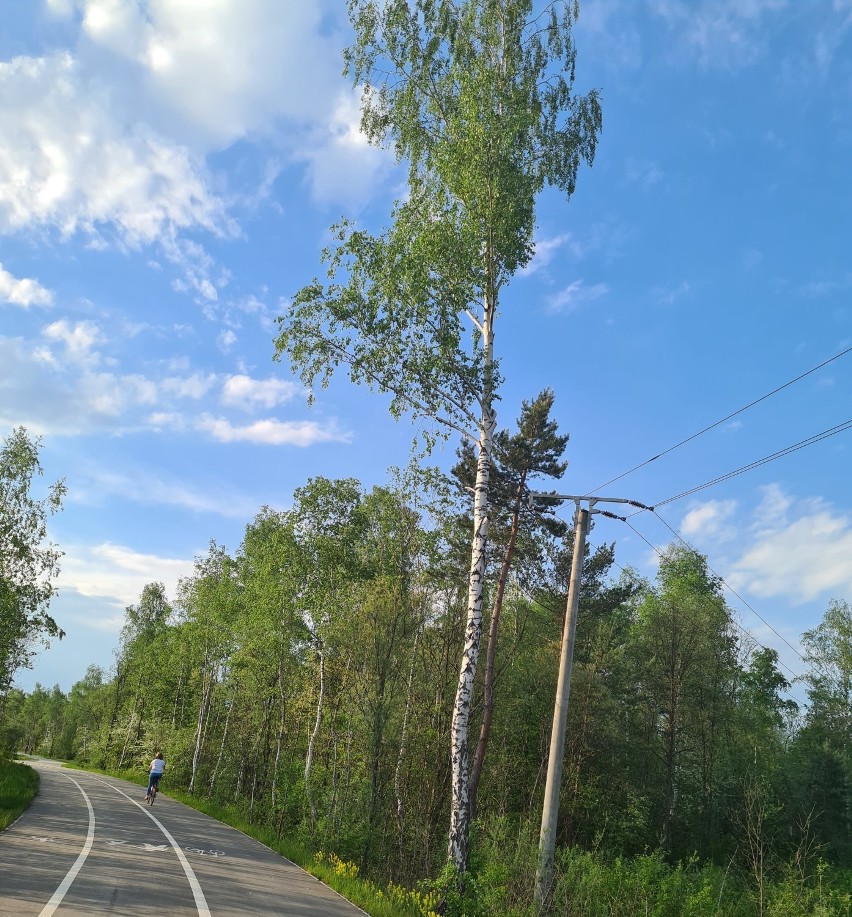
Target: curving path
{"points": [[89, 845]]}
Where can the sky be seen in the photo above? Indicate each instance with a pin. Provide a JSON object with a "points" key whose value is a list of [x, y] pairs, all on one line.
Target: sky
{"points": [[168, 173]]}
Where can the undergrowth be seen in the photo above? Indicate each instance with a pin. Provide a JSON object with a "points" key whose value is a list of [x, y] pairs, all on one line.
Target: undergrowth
{"points": [[18, 787]]}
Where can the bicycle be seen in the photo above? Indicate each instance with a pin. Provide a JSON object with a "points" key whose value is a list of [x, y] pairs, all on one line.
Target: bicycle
{"points": [[151, 795]]}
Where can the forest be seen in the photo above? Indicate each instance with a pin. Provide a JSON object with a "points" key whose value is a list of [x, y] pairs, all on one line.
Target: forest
{"points": [[307, 678], [372, 670]]}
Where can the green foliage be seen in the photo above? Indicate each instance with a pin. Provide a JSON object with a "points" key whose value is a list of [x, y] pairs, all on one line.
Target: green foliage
{"points": [[18, 787], [29, 564], [225, 680]]}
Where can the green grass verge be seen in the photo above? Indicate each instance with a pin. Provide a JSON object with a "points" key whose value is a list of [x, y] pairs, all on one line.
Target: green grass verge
{"points": [[18, 786], [377, 901]]}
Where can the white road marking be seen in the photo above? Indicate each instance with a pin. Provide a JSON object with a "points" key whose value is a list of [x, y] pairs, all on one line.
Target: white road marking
{"points": [[59, 894], [146, 846], [197, 893]]}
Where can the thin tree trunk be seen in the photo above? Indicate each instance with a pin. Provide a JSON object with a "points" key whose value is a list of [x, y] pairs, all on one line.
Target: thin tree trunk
{"points": [[199, 726], [491, 653], [309, 757], [279, 737], [222, 743], [457, 846], [397, 774], [129, 726], [177, 698], [118, 684]]}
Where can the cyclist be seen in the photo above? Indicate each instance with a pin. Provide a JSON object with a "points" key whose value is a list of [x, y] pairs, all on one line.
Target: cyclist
{"points": [[155, 771]]}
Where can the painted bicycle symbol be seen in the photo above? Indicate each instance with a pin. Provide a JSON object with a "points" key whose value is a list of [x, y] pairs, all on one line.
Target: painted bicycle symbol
{"points": [[205, 853]]}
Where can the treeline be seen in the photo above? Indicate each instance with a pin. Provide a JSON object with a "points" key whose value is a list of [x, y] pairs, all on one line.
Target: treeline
{"points": [[309, 679]]}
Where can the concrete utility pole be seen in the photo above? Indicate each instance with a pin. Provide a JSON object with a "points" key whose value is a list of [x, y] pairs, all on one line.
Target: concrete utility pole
{"points": [[550, 811]]}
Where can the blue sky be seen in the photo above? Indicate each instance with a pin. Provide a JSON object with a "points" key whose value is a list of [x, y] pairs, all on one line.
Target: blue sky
{"points": [[168, 172]]}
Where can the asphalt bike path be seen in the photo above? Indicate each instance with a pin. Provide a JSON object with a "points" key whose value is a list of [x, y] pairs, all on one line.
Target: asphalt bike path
{"points": [[91, 845]]}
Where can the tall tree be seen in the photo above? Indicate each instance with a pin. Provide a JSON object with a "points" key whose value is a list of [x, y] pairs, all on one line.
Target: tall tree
{"points": [[533, 452], [823, 784], [477, 97], [685, 654], [29, 564]]}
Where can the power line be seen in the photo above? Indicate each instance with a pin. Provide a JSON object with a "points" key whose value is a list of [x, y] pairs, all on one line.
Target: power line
{"points": [[712, 426], [810, 441]]}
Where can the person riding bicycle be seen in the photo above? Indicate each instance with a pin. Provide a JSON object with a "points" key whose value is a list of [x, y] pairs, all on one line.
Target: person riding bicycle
{"points": [[155, 771]]}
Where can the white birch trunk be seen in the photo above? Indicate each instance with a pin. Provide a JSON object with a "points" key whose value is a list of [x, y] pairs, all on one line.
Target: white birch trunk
{"points": [[459, 730], [280, 736], [309, 757], [199, 727], [222, 743]]}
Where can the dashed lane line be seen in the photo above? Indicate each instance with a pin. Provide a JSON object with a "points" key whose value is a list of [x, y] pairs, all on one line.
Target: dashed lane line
{"points": [[59, 894]]}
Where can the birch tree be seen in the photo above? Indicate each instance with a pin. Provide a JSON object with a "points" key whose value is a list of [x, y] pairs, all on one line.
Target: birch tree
{"points": [[534, 451], [29, 564], [476, 97]]}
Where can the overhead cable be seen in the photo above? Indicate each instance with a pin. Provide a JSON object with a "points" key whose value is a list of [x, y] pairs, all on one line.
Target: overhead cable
{"points": [[810, 441], [718, 423]]}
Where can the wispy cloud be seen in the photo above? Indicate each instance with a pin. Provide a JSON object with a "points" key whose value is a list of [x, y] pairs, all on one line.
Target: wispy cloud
{"points": [[545, 251], [819, 289], [721, 33], [574, 296], [246, 393], [271, 432], [78, 339], [62, 385], [644, 174], [669, 294], [93, 484]]}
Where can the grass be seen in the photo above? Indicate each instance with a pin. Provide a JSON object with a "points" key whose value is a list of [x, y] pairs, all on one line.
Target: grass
{"points": [[18, 786], [377, 901]]}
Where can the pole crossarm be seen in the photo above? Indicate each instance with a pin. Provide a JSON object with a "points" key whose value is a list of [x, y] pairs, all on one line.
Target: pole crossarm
{"points": [[588, 498]]}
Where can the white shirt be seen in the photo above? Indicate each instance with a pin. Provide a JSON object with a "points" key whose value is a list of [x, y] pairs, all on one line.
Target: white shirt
{"points": [[157, 766]]}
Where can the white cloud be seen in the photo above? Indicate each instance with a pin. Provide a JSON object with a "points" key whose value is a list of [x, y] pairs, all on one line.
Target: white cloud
{"points": [[545, 252], [49, 397], [211, 72], [70, 162], [109, 137], [247, 393], [78, 339], [710, 520], [117, 572], [23, 292], [226, 340], [772, 511], [798, 550], [271, 432], [341, 164], [192, 387], [807, 559], [575, 295], [56, 389]]}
